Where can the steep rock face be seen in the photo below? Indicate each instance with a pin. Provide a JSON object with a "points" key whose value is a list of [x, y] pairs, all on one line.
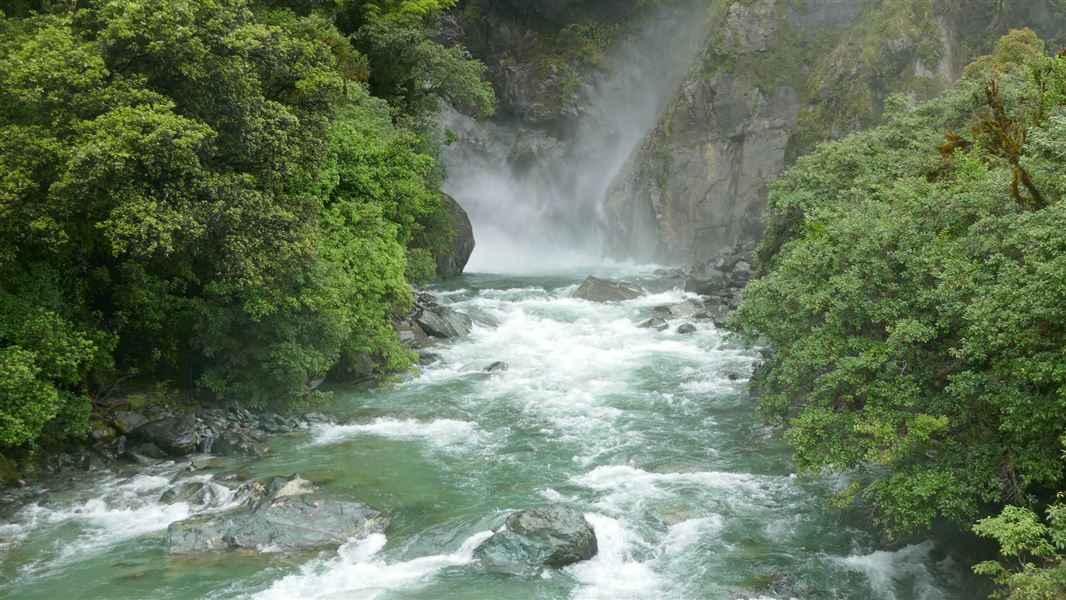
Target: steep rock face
{"points": [[774, 78]]}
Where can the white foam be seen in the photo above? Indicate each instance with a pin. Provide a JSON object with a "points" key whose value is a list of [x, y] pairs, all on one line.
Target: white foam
{"points": [[444, 433], [681, 537], [614, 573], [628, 488], [886, 569], [130, 508], [358, 571]]}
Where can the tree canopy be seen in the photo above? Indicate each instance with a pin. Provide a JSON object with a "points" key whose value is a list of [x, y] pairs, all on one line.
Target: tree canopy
{"points": [[913, 293], [208, 193]]}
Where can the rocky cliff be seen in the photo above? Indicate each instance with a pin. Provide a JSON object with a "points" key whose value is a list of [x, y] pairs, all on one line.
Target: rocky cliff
{"points": [[774, 77]]}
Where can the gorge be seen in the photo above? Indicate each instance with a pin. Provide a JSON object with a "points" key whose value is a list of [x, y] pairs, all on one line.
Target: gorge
{"points": [[450, 299]]}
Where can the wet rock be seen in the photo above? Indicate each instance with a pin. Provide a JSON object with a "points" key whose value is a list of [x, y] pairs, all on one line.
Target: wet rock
{"points": [[443, 322], [145, 454], [126, 421], [190, 492], [555, 536], [686, 309], [411, 334], [102, 432], [91, 461], [176, 435], [706, 282], [656, 323], [238, 443], [452, 262], [686, 328], [496, 366], [288, 515], [602, 290]]}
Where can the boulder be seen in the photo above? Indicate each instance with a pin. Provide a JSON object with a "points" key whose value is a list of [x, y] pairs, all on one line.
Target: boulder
{"points": [[555, 536], [452, 262], [496, 366], [287, 515], [238, 443], [443, 322], [411, 334], [686, 309], [602, 290], [145, 454], [176, 434], [126, 421], [686, 328], [706, 281], [656, 323]]}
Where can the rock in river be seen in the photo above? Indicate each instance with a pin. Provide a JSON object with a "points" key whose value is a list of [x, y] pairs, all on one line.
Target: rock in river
{"points": [[238, 443], [602, 290], [656, 323], [443, 322], [176, 435], [285, 515], [555, 536]]}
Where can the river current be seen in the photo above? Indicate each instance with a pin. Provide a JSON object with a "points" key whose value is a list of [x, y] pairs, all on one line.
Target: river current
{"points": [[651, 434]]}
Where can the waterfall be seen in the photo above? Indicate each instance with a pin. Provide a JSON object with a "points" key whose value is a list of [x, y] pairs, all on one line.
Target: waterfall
{"points": [[535, 196]]}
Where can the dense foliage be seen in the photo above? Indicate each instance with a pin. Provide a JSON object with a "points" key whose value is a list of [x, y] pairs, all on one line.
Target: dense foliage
{"points": [[913, 290], [205, 192]]}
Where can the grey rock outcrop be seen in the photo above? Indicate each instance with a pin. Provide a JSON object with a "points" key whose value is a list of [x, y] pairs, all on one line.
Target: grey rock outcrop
{"points": [[176, 434], [452, 262], [601, 290], [284, 515], [554, 535], [238, 443], [440, 321], [774, 78]]}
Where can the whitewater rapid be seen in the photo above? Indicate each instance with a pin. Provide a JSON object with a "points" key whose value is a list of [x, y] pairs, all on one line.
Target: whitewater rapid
{"points": [[651, 434]]}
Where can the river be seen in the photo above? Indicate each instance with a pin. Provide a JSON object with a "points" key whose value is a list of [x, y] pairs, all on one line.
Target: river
{"points": [[651, 434]]}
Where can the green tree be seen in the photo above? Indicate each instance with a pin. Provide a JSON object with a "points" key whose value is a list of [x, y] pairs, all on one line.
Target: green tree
{"points": [[204, 192], [915, 308]]}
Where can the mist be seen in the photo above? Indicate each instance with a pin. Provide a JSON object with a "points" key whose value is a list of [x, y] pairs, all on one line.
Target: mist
{"points": [[544, 212]]}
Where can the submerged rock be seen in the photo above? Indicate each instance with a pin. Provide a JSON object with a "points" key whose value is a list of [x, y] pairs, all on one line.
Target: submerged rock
{"points": [[555, 536], [496, 366], [176, 434], [602, 290], [285, 515], [656, 323], [686, 328]]}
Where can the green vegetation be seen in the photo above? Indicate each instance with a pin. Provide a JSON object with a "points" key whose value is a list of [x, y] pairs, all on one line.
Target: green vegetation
{"points": [[223, 195], [913, 290]]}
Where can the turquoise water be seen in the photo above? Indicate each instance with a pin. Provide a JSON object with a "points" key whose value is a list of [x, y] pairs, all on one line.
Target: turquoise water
{"points": [[651, 434]]}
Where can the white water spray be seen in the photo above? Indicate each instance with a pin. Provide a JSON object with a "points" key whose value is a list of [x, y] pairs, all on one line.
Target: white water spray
{"points": [[547, 215]]}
